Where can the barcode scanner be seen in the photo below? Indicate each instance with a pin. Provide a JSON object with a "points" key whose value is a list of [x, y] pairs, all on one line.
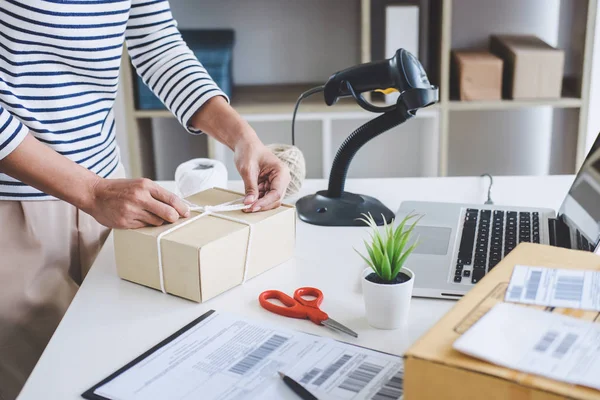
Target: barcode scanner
{"points": [[402, 73]]}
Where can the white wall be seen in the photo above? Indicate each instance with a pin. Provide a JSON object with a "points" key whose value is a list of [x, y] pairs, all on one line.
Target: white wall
{"points": [[402, 151], [173, 145], [594, 110], [514, 142], [281, 41], [524, 137]]}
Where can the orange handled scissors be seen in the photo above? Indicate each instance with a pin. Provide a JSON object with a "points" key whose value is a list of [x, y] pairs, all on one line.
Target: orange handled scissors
{"points": [[301, 308]]}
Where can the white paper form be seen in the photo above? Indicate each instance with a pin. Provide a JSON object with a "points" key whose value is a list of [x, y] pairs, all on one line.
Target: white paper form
{"points": [[555, 287], [537, 342], [224, 357]]}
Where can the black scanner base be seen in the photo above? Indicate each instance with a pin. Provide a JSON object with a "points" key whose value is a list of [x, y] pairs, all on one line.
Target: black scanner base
{"points": [[319, 209]]}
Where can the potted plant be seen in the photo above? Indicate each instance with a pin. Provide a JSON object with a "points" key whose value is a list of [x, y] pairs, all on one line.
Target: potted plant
{"points": [[387, 285]]}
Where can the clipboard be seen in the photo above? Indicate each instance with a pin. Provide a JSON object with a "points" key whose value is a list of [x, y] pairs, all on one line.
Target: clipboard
{"points": [[90, 395], [392, 367]]}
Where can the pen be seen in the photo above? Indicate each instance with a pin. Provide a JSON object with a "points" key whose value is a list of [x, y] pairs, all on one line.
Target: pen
{"points": [[297, 388]]}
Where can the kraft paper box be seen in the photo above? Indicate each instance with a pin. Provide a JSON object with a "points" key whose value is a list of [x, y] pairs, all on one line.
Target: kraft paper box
{"points": [[206, 257], [477, 75], [434, 370], [532, 68]]}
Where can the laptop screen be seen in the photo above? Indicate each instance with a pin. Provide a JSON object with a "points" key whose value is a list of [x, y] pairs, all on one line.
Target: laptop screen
{"points": [[581, 208]]}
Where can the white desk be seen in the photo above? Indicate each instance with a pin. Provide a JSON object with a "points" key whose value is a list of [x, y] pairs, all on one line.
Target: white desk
{"points": [[111, 321]]}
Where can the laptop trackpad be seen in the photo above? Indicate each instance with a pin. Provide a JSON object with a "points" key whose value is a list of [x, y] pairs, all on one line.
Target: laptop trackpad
{"points": [[432, 240]]}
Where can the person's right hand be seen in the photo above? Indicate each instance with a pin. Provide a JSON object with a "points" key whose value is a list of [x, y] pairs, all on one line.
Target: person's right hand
{"points": [[134, 203]]}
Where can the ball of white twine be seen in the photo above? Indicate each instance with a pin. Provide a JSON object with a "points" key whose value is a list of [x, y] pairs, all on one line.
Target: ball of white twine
{"points": [[200, 174], [294, 159]]}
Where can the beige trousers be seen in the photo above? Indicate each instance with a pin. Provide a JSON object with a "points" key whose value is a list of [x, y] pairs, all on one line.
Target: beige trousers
{"points": [[46, 249]]}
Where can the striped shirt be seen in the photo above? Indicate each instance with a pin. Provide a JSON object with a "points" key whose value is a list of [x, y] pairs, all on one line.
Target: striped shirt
{"points": [[59, 73]]}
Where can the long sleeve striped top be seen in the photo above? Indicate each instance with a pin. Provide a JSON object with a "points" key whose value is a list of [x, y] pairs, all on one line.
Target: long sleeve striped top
{"points": [[59, 73]]}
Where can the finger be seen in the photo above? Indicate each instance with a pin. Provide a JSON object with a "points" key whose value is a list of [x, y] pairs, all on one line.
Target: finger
{"points": [[161, 210], [250, 177], [150, 219], [163, 195], [271, 199], [137, 224], [263, 188]]}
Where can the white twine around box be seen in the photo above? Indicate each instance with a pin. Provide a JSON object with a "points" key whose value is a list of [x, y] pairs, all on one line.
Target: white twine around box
{"points": [[205, 211]]}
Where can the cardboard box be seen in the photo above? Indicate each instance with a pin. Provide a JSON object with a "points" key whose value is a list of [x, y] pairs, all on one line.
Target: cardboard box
{"points": [[477, 75], [434, 370], [206, 257], [532, 68]]}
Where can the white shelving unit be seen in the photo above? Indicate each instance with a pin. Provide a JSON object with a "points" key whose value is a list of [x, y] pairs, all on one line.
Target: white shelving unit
{"points": [[285, 47]]}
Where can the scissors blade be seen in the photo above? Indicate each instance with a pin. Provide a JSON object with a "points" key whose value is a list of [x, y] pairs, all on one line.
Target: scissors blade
{"points": [[333, 324]]}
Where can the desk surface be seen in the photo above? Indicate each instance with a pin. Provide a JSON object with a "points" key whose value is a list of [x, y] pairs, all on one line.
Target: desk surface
{"points": [[111, 321]]}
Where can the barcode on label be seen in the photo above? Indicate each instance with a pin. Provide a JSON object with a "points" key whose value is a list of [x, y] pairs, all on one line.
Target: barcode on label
{"points": [[546, 341], [259, 354], [310, 376], [515, 292], [392, 388], [358, 379], [533, 284], [565, 345], [332, 369], [569, 288]]}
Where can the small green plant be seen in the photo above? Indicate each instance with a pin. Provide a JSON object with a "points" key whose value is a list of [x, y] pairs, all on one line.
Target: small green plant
{"points": [[388, 251]]}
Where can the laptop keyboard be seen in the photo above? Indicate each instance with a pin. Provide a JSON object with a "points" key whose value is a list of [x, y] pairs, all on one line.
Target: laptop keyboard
{"points": [[488, 236]]}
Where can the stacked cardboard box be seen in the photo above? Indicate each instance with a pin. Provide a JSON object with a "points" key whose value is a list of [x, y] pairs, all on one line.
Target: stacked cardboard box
{"points": [[434, 370], [532, 68]]}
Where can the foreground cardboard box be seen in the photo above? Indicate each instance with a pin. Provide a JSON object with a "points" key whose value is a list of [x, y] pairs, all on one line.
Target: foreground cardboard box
{"points": [[477, 75], [532, 68], [434, 370], [206, 258]]}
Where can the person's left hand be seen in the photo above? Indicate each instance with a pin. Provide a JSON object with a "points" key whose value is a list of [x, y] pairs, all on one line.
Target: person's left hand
{"points": [[265, 177]]}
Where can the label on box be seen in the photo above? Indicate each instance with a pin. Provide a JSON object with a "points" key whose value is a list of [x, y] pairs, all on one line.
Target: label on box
{"points": [[555, 287], [537, 342]]}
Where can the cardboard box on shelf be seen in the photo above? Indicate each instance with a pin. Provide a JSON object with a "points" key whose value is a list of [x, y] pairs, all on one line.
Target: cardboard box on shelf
{"points": [[477, 75], [434, 370], [532, 68], [207, 257]]}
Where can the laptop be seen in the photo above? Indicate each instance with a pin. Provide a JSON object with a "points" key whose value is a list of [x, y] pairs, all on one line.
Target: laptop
{"points": [[460, 243]]}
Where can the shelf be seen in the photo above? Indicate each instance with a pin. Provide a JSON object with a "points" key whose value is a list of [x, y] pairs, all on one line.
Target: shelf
{"points": [[269, 99], [565, 102], [449, 24], [153, 114], [275, 99]]}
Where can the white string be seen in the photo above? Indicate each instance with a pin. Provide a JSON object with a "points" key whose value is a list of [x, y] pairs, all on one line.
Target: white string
{"points": [[204, 211]]}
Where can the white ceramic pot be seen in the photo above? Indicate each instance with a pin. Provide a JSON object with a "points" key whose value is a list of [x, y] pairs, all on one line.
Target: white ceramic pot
{"points": [[387, 306]]}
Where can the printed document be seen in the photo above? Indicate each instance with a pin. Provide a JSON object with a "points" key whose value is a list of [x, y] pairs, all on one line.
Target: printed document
{"points": [[225, 357], [555, 287], [537, 342]]}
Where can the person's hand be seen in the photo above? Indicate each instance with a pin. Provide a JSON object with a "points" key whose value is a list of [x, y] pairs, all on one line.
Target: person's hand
{"points": [[133, 203], [265, 177]]}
